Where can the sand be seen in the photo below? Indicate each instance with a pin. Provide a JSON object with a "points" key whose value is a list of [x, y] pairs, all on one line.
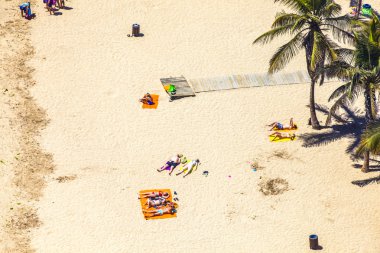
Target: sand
{"points": [[106, 149], [23, 164]]}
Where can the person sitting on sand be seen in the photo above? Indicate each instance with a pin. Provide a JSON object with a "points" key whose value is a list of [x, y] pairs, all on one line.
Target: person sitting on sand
{"points": [[279, 136], [279, 126], [170, 209], [147, 99], [189, 167], [159, 194], [25, 10], [171, 164]]}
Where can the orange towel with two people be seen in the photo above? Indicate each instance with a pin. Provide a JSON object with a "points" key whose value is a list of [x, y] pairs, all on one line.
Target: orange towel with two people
{"points": [[157, 204], [154, 105]]}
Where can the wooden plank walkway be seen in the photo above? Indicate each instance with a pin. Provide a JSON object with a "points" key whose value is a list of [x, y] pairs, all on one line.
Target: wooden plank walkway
{"points": [[183, 88], [247, 81]]}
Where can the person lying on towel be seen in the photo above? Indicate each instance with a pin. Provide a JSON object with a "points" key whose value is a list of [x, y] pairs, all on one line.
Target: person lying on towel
{"points": [[279, 136], [158, 194], [147, 99], [156, 202], [169, 209], [279, 126], [189, 167], [171, 164]]}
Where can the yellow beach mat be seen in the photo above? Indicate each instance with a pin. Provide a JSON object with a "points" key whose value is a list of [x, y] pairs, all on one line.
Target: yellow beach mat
{"points": [[271, 138], [155, 101], [144, 200], [183, 165]]}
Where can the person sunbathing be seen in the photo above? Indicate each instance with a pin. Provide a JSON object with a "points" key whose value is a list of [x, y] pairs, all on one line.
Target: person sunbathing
{"points": [[279, 126], [156, 202], [171, 164], [279, 136], [147, 99], [189, 167], [159, 194], [169, 209]]}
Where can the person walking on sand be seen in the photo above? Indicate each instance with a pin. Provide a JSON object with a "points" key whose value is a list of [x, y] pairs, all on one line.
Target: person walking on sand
{"points": [[49, 5], [61, 3]]}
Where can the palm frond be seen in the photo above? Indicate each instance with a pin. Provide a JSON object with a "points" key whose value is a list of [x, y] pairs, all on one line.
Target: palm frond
{"points": [[285, 53], [283, 18], [339, 91], [300, 6], [345, 54], [342, 22], [276, 32], [370, 139], [331, 9], [340, 69], [340, 34]]}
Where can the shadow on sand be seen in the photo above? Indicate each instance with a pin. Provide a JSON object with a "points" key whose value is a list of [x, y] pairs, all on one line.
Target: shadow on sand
{"points": [[365, 182], [351, 127]]}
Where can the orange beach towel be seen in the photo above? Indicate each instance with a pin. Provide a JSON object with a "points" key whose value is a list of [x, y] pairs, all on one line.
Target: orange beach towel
{"points": [[155, 101], [144, 200]]}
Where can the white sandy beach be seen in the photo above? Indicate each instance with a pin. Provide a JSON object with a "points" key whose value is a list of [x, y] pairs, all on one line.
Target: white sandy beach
{"points": [[89, 76]]}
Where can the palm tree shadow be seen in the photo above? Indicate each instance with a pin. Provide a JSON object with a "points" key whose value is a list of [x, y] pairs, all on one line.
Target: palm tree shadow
{"points": [[365, 182], [351, 126]]}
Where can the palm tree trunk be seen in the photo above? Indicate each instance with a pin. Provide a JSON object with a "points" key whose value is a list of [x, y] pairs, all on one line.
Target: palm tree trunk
{"points": [[365, 167], [369, 117], [313, 115]]}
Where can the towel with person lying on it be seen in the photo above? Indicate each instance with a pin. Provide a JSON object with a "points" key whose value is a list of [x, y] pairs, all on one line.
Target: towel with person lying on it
{"points": [[157, 204], [281, 131], [185, 165]]}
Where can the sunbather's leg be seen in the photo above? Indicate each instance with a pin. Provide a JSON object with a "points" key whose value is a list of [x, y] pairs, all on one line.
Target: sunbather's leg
{"points": [[165, 167], [172, 169], [180, 172], [188, 172]]}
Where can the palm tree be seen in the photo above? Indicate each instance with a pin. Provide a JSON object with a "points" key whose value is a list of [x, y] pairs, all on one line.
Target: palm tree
{"points": [[309, 26], [370, 142], [360, 67]]}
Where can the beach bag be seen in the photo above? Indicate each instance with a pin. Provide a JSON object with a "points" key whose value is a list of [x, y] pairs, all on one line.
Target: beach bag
{"points": [[172, 88]]}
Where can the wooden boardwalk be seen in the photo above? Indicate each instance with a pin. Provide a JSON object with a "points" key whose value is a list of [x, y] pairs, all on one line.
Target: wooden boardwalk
{"points": [[183, 89], [186, 88], [247, 81]]}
